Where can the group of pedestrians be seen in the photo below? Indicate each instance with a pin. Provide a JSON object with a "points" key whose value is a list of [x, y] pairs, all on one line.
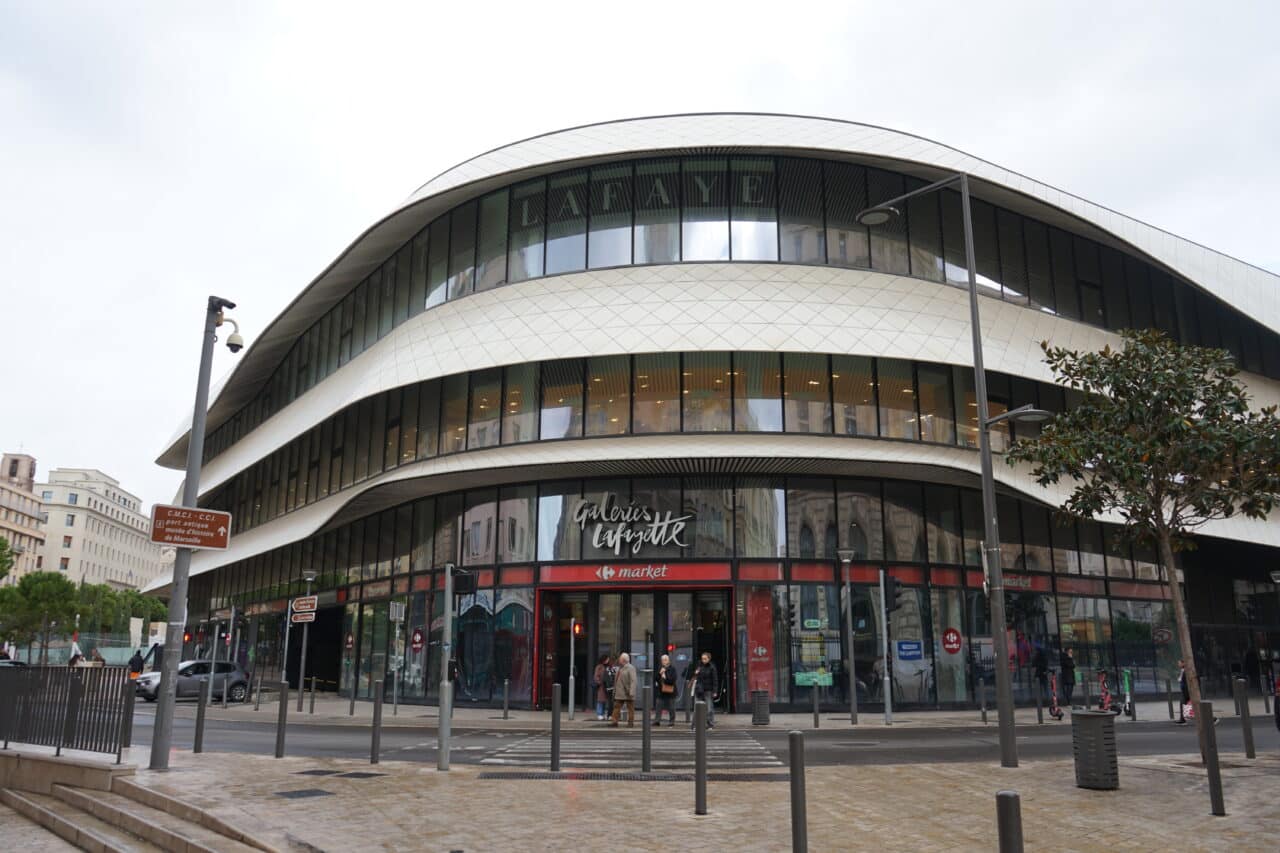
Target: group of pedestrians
{"points": [[615, 684]]}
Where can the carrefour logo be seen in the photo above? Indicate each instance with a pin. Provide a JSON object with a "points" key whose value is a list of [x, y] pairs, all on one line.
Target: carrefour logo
{"points": [[633, 573], [605, 573]]}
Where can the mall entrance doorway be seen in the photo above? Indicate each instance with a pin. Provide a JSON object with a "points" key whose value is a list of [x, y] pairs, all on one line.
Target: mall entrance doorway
{"points": [[643, 623]]}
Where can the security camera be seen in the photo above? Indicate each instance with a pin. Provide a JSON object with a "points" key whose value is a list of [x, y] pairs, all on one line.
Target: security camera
{"points": [[235, 343]]}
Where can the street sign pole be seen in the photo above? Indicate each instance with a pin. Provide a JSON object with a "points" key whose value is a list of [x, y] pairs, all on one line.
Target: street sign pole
{"points": [[848, 622], [284, 656], [302, 666], [446, 686], [886, 685], [572, 702]]}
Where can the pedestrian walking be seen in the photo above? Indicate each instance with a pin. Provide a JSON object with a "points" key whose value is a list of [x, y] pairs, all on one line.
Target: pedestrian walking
{"points": [[705, 683], [624, 692], [135, 665], [664, 687], [1040, 665], [598, 685], [1067, 663]]}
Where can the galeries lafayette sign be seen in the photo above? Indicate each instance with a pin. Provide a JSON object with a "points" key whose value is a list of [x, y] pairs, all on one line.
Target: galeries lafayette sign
{"points": [[636, 573], [616, 527]]}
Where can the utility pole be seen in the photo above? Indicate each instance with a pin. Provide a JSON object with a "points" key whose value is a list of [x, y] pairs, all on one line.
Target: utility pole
{"points": [[446, 686]]}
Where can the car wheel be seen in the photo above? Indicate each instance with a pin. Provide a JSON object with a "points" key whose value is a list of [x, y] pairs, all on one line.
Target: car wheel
{"points": [[148, 698], [238, 693]]}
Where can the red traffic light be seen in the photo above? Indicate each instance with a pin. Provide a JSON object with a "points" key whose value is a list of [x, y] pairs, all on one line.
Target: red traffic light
{"points": [[671, 647], [186, 636], [577, 629]]}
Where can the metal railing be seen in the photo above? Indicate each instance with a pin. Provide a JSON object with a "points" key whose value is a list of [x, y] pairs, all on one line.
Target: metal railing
{"points": [[86, 708]]}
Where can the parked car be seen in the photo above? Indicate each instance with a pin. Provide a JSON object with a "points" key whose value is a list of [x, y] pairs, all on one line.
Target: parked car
{"points": [[10, 662], [193, 675]]}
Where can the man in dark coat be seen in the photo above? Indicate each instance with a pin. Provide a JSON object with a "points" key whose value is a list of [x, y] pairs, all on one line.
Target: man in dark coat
{"points": [[705, 681], [1067, 663]]}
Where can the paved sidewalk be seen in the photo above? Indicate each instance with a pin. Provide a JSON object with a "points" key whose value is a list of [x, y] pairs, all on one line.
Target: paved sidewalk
{"points": [[1162, 804]]}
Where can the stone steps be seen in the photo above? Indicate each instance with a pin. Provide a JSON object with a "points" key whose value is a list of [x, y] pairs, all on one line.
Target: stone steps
{"points": [[73, 825], [165, 830]]}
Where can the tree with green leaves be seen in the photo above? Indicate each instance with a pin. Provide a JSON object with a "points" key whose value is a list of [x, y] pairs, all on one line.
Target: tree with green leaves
{"points": [[1165, 440], [6, 558], [45, 603]]}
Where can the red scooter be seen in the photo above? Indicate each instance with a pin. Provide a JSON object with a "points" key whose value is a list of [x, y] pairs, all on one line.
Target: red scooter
{"points": [[1054, 710], [1105, 702]]}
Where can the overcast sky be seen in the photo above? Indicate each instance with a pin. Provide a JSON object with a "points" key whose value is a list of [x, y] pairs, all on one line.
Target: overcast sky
{"points": [[153, 153]]}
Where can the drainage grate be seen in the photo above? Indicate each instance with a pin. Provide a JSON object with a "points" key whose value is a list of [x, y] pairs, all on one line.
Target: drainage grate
{"points": [[316, 773], [359, 774], [303, 793], [606, 776]]}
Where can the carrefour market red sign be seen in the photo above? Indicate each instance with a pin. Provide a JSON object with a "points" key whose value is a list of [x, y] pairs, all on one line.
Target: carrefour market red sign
{"points": [[625, 574]]}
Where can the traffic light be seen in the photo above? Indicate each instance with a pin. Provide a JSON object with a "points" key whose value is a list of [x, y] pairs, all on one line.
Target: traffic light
{"points": [[186, 636], [893, 593], [577, 629], [792, 614]]}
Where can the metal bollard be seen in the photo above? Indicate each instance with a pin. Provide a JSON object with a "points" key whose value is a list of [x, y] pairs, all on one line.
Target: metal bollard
{"points": [[1168, 689], [700, 758], [1235, 695], [201, 702], [1266, 694], [1211, 759], [224, 692], [799, 811], [1246, 722], [646, 728], [312, 707], [816, 720], [506, 696], [1009, 821], [688, 702], [282, 719], [375, 748], [555, 728], [982, 693], [257, 694], [1039, 706]]}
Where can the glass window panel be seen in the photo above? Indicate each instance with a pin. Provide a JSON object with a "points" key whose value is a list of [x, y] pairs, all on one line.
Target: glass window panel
{"points": [[528, 218], [608, 395], [365, 412], [1024, 392], [1013, 262], [657, 393], [1091, 559], [391, 434], [800, 210], [754, 214], [889, 240], [567, 222], [847, 241], [710, 501], [1251, 341], [986, 250], [486, 404], [462, 249], [903, 522], [998, 397], [952, 669], [371, 542], [1115, 294], [953, 253], [1207, 311], [974, 529], [1188, 334], [660, 495], [561, 399], [657, 217], [705, 223], [1091, 308], [372, 308], [761, 518], [1035, 534], [491, 256], [438, 262], [757, 392], [861, 523], [1039, 273], [942, 506], [807, 393], [1166, 318], [811, 519], [924, 219], [937, 418], [707, 385], [386, 307], [409, 424], [1140, 309], [428, 418], [478, 528], [447, 535], [1064, 274], [453, 414], [558, 536], [1010, 528], [897, 398], [1084, 625], [358, 319], [517, 516], [418, 278], [609, 243], [853, 388], [600, 492], [404, 263], [1062, 533], [520, 404]]}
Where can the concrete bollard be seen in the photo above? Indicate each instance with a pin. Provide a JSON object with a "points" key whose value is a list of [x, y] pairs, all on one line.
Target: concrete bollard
{"points": [[1009, 821], [282, 719], [1168, 689], [375, 748], [817, 721], [799, 810], [311, 709], [555, 728], [506, 697], [700, 758], [1211, 759], [982, 695], [201, 702], [1246, 722], [646, 728]]}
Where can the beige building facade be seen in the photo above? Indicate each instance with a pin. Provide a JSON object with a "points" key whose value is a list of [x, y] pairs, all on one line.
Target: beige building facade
{"points": [[21, 515]]}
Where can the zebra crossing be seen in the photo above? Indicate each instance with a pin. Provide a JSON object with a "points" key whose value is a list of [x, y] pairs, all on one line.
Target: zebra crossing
{"points": [[671, 751]]}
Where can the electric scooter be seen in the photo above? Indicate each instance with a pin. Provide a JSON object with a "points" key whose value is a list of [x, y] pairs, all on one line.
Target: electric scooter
{"points": [[1104, 701], [1055, 711]]}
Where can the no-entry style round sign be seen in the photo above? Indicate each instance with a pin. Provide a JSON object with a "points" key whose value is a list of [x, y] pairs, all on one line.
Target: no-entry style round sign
{"points": [[951, 641], [351, 640], [415, 640]]}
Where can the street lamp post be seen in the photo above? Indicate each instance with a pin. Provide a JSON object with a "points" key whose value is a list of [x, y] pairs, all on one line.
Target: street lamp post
{"points": [[878, 215], [162, 733], [846, 557], [309, 576]]}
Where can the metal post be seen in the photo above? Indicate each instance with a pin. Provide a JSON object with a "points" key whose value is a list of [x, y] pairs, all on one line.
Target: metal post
{"points": [[1211, 758], [354, 663], [1246, 722], [126, 722], [799, 811], [283, 718], [162, 733], [700, 757], [1168, 689], [646, 726], [257, 693], [555, 728], [849, 636], [446, 686], [375, 748], [982, 697], [312, 705], [202, 703], [1009, 821], [225, 679], [1235, 695], [573, 622], [506, 696], [395, 685], [1039, 705], [1084, 682], [816, 720], [886, 687], [1129, 695], [688, 702], [302, 664], [1266, 694]]}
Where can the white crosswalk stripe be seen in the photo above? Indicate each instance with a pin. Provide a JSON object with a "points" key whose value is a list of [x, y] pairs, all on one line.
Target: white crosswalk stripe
{"points": [[621, 750]]}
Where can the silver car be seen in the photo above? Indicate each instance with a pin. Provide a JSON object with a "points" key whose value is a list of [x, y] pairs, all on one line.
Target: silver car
{"points": [[193, 675]]}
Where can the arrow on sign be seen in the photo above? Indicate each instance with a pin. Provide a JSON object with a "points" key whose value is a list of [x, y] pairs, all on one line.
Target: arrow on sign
{"points": [[222, 531]]}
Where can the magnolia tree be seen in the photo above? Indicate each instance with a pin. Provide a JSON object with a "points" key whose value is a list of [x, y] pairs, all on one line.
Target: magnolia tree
{"points": [[1164, 439]]}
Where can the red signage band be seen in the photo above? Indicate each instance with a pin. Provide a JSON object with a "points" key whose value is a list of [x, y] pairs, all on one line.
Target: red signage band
{"points": [[622, 574]]}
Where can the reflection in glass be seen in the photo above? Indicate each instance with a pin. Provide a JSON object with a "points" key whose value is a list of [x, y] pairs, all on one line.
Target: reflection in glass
{"points": [[491, 262], [520, 404], [889, 240], [1038, 555], [807, 393], [937, 418], [986, 250], [757, 392], [1039, 272], [903, 522], [1013, 266], [705, 226], [566, 222], [513, 642], [847, 242], [438, 262], [860, 518], [657, 204], [609, 244], [754, 230], [854, 391], [558, 537], [803, 238], [448, 538], [486, 403], [525, 256], [657, 393], [760, 521], [561, 399], [462, 249], [707, 384], [942, 505], [924, 219], [478, 524], [517, 511], [710, 501], [811, 519], [897, 398], [453, 427], [428, 418], [660, 495], [599, 492], [608, 395]]}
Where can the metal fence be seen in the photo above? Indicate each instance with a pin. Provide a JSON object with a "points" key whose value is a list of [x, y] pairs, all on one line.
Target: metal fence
{"points": [[87, 708]]}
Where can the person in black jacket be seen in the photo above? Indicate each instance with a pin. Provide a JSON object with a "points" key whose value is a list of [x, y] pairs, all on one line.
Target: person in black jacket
{"points": [[705, 681], [664, 688], [1067, 663]]}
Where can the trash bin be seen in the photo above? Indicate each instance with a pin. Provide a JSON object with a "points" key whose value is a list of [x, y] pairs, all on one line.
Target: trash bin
{"points": [[1093, 741], [759, 707]]}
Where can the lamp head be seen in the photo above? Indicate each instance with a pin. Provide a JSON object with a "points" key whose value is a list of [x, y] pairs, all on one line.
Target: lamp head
{"points": [[310, 575], [877, 215]]}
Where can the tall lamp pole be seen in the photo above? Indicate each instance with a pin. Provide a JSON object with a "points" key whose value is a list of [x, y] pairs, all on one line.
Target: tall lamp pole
{"points": [[846, 557], [162, 733], [878, 215]]}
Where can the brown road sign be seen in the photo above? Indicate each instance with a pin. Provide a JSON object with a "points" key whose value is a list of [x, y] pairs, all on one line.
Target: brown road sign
{"points": [[188, 527], [303, 603], [309, 616]]}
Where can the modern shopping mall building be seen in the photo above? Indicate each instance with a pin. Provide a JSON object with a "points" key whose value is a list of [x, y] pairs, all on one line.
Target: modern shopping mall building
{"points": [[652, 376]]}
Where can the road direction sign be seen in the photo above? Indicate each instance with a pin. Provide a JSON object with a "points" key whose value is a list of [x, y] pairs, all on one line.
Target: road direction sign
{"points": [[951, 641], [188, 527], [309, 616], [304, 604]]}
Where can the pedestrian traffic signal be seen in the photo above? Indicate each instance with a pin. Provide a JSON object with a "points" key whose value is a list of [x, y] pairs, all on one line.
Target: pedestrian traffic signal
{"points": [[577, 629], [186, 636], [893, 593]]}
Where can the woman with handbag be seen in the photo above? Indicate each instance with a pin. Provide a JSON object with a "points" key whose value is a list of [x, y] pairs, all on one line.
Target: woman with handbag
{"points": [[664, 687], [598, 684]]}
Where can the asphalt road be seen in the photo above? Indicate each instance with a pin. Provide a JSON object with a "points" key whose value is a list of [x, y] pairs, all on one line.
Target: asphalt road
{"points": [[589, 745]]}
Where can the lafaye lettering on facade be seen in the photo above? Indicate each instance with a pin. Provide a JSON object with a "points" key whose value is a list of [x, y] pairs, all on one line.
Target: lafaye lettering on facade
{"points": [[631, 527]]}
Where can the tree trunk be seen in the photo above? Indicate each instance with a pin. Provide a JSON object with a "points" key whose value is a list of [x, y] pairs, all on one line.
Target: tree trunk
{"points": [[44, 640], [1184, 630]]}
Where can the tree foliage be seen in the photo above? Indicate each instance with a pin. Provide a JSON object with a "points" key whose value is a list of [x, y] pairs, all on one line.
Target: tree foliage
{"points": [[6, 558]]}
